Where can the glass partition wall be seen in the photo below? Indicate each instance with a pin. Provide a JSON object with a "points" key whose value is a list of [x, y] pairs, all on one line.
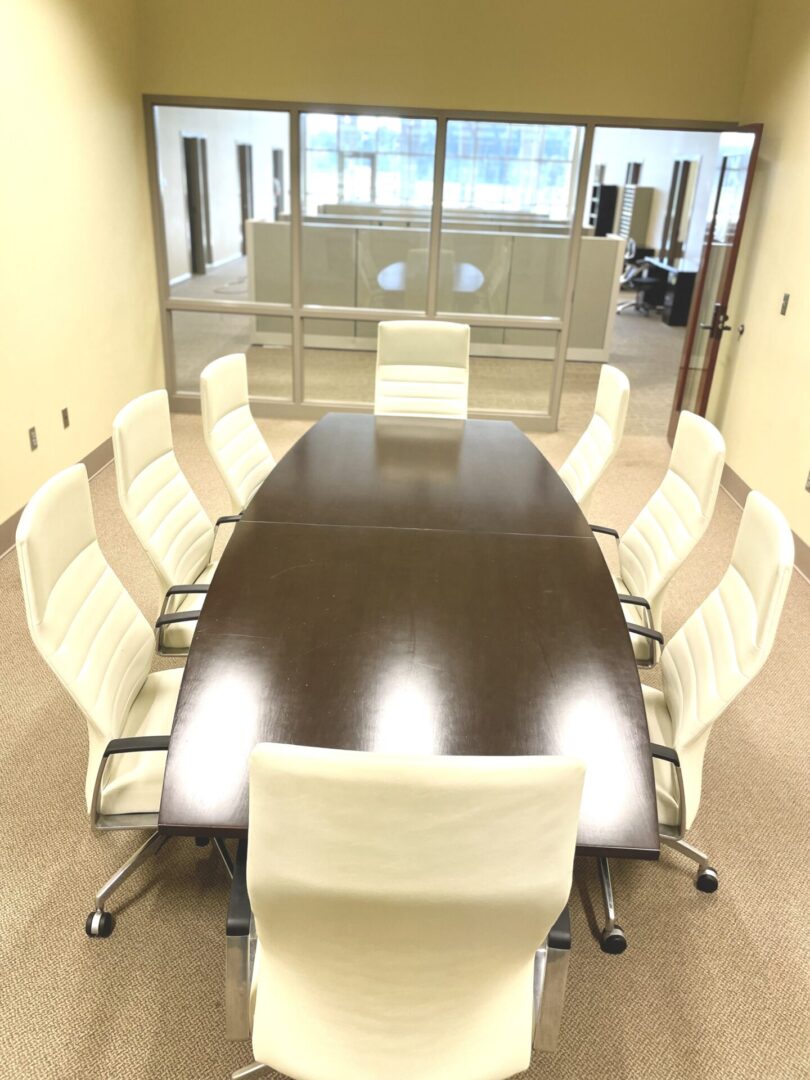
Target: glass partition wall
{"points": [[288, 233]]}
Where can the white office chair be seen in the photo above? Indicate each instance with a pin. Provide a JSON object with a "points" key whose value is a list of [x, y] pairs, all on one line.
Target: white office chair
{"points": [[166, 515], [402, 911], [423, 369], [231, 434], [89, 631], [705, 666], [600, 440], [666, 531]]}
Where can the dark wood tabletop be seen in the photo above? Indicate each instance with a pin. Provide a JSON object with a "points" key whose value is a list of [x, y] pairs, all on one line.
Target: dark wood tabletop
{"points": [[407, 473], [361, 626]]}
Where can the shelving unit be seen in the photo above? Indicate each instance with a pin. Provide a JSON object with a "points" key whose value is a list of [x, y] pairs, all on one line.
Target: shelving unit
{"points": [[634, 215], [602, 208]]}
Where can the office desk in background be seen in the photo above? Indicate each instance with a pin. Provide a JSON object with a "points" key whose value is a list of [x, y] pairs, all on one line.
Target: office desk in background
{"points": [[674, 293]]}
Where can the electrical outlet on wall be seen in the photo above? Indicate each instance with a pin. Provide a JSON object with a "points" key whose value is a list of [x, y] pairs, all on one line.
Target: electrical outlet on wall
{"points": [[32, 438]]}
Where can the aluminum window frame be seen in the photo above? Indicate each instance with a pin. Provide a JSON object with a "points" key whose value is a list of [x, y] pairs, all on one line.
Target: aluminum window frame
{"points": [[188, 401]]}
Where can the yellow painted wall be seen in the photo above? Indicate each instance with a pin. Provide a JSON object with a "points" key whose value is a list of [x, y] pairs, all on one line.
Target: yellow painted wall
{"points": [[761, 394], [80, 317], [79, 323], [660, 58]]}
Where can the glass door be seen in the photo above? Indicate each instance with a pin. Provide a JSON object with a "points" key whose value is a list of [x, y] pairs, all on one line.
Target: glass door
{"points": [[708, 319], [509, 237]]}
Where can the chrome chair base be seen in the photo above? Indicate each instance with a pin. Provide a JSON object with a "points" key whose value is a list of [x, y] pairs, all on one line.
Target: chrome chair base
{"points": [[612, 939], [706, 879], [100, 923], [254, 1069]]}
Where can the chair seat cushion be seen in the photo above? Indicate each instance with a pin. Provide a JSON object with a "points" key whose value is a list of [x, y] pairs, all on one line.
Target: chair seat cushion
{"points": [[133, 782], [637, 615], [659, 725], [179, 636]]}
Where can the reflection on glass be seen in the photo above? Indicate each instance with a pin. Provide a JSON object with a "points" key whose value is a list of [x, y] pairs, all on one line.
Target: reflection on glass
{"points": [[734, 156], [221, 173], [366, 189], [199, 337], [340, 356], [511, 370], [509, 193]]}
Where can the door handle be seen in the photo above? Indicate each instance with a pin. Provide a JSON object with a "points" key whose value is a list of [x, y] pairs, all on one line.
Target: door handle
{"points": [[719, 322], [717, 329]]}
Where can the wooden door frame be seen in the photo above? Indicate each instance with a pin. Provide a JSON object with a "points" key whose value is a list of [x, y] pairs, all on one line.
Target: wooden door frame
{"points": [[724, 293]]}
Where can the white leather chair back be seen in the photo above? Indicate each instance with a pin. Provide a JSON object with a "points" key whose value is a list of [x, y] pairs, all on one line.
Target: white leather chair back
{"points": [[156, 498], [600, 440], [678, 514], [83, 622], [723, 645], [399, 902], [231, 434], [423, 369]]}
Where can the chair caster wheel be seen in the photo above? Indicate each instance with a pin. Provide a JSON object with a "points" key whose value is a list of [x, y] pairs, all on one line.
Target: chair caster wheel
{"points": [[99, 924], [707, 880], [613, 941], [202, 841]]}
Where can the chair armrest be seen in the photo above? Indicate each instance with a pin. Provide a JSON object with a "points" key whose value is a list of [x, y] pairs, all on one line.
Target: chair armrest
{"points": [[606, 530], [559, 936], [169, 620], [646, 632], [665, 753], [635, 601], [238, 921], [177, 617], [180, 590], [132, 745], [190, 590], [225, 519], [668, 753], [135, 744]]}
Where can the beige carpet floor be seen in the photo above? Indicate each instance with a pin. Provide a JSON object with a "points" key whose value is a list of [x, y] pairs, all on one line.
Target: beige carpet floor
{"points": [[710, 987]]}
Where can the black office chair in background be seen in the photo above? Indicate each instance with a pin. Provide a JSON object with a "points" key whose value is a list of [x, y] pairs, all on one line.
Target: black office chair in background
{"points": [[635, 278]]}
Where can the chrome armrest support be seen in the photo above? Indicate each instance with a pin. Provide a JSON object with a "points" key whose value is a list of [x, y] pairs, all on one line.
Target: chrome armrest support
{"points": [[550, 976], [170, 620], [655, 637], [667, 753], [138, 745], [240, 945], [225, 519]]}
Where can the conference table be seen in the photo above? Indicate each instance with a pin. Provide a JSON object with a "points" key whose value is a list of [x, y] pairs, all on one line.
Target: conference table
{"points": [[400, 585]]}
